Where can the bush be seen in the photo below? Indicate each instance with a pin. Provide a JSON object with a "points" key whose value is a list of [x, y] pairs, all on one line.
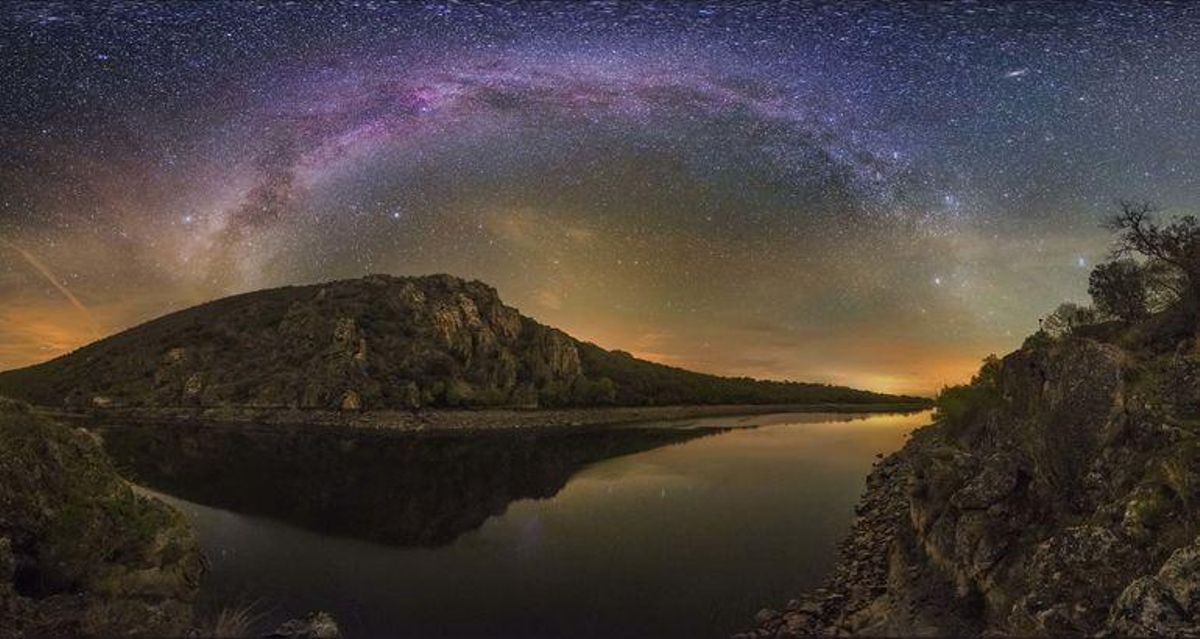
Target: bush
{"points": [[959, 406], [1118, 289], [1068, 318]]}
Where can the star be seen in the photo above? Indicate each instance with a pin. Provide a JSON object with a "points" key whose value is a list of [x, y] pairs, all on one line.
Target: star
{"points": [[775, 180]]}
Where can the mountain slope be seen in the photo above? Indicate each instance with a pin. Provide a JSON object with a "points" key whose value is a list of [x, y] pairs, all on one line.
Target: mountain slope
{"points": [[376, 342]]}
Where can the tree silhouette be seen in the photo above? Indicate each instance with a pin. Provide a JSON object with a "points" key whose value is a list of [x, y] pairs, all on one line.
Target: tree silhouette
{"points": [[1171, 250], [1118, 288]]}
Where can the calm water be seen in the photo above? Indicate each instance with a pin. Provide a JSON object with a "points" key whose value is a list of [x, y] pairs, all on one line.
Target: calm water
{"points": [[689, 538]]}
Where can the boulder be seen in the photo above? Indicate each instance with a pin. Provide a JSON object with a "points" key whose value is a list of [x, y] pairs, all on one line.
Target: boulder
{"points": [[1166, 604]]}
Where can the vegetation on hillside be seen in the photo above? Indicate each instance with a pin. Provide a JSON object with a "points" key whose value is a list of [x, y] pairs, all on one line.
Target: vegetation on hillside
{"points": [[82, 554], [1145, 299], [626, 380], [378, 342], [1056, 493]]}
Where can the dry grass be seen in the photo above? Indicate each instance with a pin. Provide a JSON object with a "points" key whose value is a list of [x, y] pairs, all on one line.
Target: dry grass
{"points": [[233, 621]]}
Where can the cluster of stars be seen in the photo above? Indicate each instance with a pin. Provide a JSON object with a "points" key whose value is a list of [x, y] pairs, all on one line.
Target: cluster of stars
{"points": [[766, 179]]}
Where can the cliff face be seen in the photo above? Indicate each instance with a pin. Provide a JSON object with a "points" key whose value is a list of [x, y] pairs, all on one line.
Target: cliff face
{"points": [[1058, 500], [80, 553], [376, 342]]}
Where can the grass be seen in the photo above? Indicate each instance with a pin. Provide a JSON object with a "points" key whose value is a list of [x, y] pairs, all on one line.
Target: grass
{"points": [[232, 621]]}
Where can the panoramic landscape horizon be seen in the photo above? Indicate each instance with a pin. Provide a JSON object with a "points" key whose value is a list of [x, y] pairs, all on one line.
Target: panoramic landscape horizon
{"points": [[615, 318], [868, 194]]}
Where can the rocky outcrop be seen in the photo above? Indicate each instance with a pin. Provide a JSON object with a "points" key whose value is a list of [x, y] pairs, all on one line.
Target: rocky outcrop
{"points": [[1058, 502], [1165, 604], [378, 342], [82, 554]]}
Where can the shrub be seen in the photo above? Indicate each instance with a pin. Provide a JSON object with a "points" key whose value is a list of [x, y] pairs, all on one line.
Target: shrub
{"points": [[1118, 289], [1068, 318], [960, 405]]}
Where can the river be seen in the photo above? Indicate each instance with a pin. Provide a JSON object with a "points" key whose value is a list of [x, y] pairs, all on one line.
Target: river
{"points": [[655, 536]]}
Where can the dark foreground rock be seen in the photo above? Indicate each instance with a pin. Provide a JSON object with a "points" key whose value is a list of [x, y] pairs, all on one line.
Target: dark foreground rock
{"points": [[81, 554], [1057, 499]]}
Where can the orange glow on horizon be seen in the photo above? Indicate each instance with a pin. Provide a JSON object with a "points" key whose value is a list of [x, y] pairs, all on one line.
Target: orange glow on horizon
{"points": [[37, 330]]}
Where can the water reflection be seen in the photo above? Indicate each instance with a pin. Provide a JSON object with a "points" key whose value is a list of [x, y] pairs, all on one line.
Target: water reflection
{"points": [[396, 488], [686, 540]]}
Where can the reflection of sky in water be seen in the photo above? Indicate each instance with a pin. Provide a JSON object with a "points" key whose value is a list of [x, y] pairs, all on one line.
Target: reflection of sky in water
{"points": [[686, 539]]}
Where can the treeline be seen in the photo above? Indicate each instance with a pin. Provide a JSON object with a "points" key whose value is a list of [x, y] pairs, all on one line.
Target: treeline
{"points": [[636, 382], [1145, 298]]}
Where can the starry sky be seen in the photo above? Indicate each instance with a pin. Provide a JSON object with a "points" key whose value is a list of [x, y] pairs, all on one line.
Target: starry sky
{"points": [[871, 194]]}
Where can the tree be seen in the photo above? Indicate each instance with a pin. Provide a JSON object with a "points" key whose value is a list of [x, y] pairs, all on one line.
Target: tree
{"points": [[1172, 250], [959, 406], [1066, 318], [586, 392], [1118, 289]]}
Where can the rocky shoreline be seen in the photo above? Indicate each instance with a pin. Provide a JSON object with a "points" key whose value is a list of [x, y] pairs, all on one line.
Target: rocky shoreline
{"points": [[877, 588], [1057, 501], [81, 553], [84, 553]]}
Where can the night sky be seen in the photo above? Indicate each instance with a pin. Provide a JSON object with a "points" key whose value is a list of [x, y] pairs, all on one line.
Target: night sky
{"points": [[876, 195]]}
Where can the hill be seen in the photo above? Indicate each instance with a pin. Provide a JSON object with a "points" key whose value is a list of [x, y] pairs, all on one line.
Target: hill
{"points": [[1054, 495], [379, 342]]}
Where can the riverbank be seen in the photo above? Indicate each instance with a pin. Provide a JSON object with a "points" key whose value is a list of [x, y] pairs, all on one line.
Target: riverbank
{"points": [[457, 420], [554, 534], [1053, 496]]}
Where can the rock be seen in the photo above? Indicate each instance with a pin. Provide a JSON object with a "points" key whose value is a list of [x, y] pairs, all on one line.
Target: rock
{"points": [[765, 615], [351, 401], [316, 625], [80, 552], [1146, 609], [8, 568], [194, 385], [1166, 604], [1072, 580], [1183, 382], [175, 356], [1180, 575], [10, 406], [997, 478], [345, 334]]}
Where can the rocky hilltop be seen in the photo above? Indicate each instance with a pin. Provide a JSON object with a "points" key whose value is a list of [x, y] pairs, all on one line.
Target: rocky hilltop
{"points": [[1054, 495], [379, 342]]}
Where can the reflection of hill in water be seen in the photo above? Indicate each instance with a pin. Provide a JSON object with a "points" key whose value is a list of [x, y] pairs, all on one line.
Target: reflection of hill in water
{"points": [[421, 489]]}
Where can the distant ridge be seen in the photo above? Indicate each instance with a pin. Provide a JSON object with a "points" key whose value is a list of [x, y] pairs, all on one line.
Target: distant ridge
{"points": [[379, 342]]}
